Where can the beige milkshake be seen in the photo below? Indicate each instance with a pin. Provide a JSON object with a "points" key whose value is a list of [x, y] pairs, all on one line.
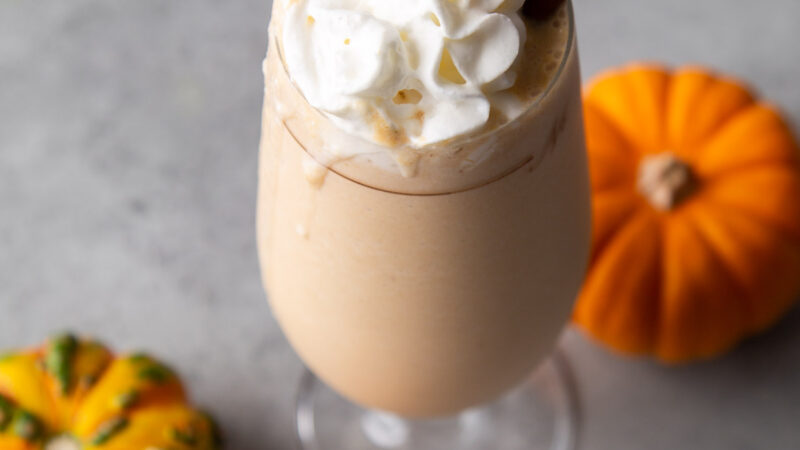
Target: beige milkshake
{"points": [[422, 244]]}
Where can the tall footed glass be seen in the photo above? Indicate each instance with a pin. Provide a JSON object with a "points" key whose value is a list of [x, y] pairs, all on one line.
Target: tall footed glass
{"points": [[420, 284]]}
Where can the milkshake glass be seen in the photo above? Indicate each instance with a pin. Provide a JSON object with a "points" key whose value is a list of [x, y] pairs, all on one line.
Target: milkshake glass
{"points": [[421, 282]]}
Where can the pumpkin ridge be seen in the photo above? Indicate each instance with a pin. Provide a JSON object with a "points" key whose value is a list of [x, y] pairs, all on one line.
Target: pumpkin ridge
{"points": [[724, 119], [658, 288], [622, 70], [727, 150], [640, 103], [729, 273], [792, 235], [51, 395], [721, 127], [66, 403], [30, 359], [86, 392], [706, 340], [650, 104], [751, 297], [744, 170], [599, 246], [596, 315], [39, 355], [679, 147], [630, 145], [752, 300], [614, 122], [621, 185], [661, 313]]}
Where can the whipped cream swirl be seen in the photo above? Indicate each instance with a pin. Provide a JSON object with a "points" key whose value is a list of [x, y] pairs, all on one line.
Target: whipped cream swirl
{"points": [[405, 72]]}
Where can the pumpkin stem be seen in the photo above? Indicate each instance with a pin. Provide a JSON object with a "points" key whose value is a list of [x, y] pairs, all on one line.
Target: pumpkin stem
{"points": [[665, 180]]}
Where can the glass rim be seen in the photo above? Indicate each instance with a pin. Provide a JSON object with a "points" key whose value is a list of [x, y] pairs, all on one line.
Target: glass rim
{"points": [[462, 140]]}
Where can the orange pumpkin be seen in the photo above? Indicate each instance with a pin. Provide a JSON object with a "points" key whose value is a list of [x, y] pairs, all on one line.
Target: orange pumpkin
{"points": [[73, 394], [696, 201]]}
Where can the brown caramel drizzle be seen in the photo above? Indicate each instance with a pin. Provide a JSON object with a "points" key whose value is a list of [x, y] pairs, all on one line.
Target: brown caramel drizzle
{"points": [[386, 133]]}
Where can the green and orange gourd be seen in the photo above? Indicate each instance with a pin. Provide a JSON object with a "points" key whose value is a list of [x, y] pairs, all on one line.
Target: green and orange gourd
{"points": [[75, 394]]}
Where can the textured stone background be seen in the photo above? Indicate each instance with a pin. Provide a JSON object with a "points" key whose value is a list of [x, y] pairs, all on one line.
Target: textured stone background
{"points": [[128, 138]]}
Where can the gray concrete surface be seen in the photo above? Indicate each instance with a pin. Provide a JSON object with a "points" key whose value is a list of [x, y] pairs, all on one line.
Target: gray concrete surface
{"points": [[128, 138]]}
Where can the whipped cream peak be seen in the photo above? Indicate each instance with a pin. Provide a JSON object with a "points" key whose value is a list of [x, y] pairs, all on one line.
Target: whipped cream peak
{"points": [[405, 72]]}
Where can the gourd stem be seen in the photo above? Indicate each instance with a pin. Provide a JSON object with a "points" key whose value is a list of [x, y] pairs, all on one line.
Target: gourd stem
{"points": [[63, 442], [665, 180]]}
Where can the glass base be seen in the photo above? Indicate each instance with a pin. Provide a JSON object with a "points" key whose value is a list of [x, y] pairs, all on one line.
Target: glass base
{"points": [[541, 414]]}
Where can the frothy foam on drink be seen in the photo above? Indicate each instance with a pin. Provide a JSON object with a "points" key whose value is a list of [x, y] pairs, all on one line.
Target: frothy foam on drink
{"points": [[406, 72]]}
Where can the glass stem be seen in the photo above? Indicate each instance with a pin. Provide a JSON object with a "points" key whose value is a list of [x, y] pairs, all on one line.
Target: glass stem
{"points": [[384, 430]]}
